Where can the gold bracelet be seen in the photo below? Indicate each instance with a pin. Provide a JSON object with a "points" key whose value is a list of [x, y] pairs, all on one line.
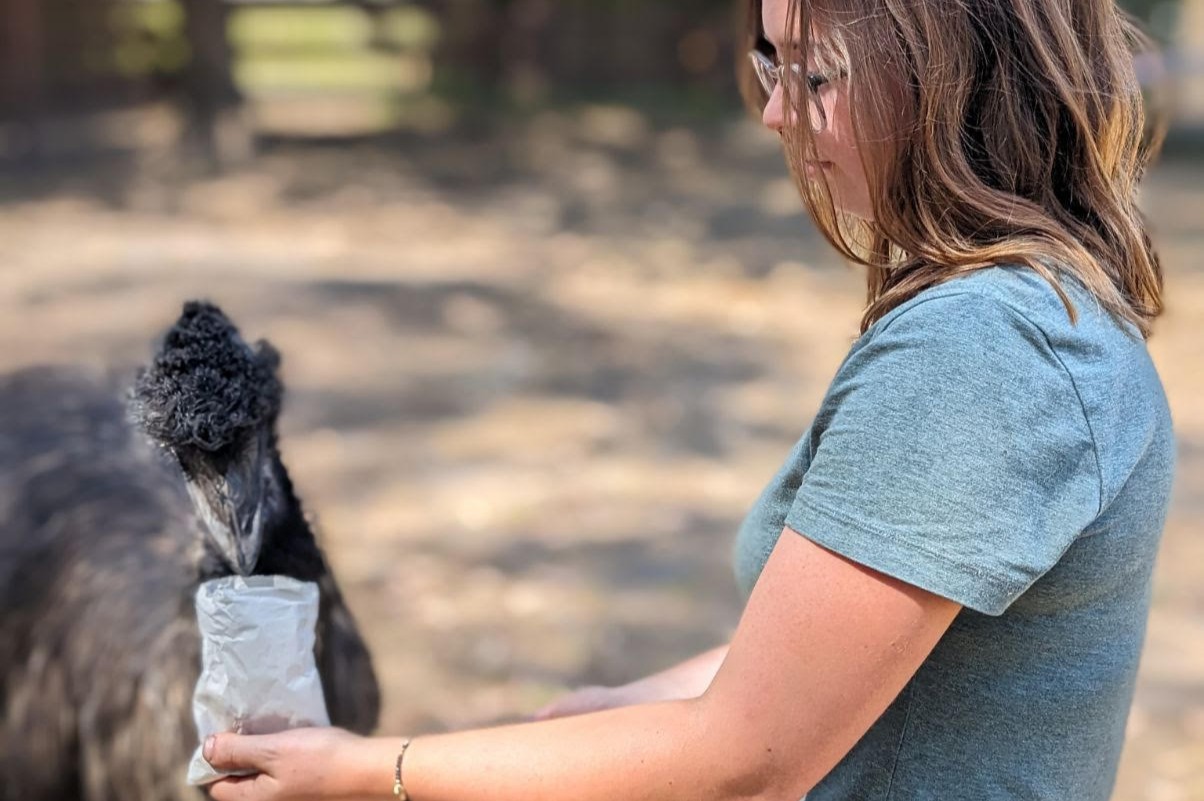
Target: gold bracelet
{"points": [[399, 790]]}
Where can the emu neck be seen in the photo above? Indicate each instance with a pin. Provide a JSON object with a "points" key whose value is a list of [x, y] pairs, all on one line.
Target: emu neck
{"points": [[288, 549]]}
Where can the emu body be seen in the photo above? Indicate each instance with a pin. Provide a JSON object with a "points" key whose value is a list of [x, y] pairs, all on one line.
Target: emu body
{"points": [[105, 533]]}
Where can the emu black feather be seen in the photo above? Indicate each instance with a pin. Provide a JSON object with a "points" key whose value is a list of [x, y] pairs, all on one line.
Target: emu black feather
{"points": [[206, 388]]}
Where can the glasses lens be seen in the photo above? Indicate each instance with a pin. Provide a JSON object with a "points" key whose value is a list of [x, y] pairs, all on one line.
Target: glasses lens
{"points": [[767, 74]]}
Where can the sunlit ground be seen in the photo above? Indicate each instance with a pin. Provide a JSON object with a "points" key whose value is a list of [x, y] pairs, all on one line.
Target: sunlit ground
{"points": [[534, 384]]}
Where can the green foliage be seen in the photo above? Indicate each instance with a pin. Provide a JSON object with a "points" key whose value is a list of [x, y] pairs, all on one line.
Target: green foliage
{"points": [[274, 28], [148, 38], [408, 26]]}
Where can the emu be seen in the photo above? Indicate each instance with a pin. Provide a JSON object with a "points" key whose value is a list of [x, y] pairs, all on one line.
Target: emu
{"points": [[115, 503]]}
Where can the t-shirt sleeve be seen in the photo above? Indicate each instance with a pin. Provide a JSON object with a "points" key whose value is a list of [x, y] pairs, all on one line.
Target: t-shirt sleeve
{"points": [[956, 455]]}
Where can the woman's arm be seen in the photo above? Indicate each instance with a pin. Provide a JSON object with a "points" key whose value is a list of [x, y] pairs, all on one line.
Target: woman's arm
{"points": [[823, 647], [688, 679]]}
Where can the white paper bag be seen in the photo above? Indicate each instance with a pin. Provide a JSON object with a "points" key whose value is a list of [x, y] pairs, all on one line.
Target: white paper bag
{"points": [[258, 674]]}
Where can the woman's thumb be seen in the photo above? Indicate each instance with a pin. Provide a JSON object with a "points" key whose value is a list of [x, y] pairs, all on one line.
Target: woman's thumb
{"points": [[229, 752]]}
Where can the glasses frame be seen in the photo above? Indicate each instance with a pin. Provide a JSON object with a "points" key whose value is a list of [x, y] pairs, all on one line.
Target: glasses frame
{"points": [[770, 75]]}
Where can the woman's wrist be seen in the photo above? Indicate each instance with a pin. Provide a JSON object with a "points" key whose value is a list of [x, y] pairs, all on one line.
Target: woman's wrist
{"points": [[371, 767], [642, 691]]}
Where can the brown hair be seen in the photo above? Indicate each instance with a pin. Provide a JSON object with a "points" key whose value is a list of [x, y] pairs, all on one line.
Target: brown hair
{"points": [[991, 132]]}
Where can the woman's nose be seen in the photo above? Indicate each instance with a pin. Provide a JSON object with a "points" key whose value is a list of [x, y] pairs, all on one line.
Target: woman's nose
{"points": [[772, 117]]}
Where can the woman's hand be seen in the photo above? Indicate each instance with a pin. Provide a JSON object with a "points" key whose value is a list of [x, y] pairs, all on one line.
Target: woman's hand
{"points": [[300, 765]]}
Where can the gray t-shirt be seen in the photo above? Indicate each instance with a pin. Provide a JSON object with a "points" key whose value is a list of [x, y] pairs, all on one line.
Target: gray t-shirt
{"points": [[977, 444]]}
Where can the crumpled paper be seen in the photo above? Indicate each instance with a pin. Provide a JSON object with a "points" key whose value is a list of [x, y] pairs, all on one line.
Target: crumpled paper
{"points": [[258, 674]]}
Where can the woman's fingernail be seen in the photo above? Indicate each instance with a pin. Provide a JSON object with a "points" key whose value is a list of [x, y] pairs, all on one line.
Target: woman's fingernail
{"points": [[208, 749]]}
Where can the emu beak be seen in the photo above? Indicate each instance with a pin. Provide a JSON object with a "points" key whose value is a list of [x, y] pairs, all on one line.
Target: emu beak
{"points": [[231, 502], [244, 513]]}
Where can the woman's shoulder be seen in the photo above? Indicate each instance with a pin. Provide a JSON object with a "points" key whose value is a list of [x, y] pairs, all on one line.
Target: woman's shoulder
{"points": [[989, 302], [1004, 333], [1001, 319]]}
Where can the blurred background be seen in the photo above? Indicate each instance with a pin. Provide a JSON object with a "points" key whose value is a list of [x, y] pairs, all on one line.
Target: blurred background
{"points": [[550, 310]]}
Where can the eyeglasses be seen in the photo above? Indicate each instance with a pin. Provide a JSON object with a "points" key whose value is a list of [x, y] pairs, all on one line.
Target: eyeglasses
{"points": [[771, 74]]}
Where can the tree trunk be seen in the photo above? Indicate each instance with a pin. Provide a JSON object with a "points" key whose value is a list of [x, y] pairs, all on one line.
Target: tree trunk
{"points": [[213, 100], [22, 70], [1189, 78]]}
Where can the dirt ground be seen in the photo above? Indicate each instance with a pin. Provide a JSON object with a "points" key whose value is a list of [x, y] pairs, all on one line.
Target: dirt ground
{"points": [[535, 381]]}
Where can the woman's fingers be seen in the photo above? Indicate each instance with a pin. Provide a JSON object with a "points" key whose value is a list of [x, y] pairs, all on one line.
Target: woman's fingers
{"points": [[246, 788], [292, 765]]}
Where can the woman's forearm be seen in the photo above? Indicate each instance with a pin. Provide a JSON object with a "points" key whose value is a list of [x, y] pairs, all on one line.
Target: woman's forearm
{"points": [[663, 751], [688, 679]]}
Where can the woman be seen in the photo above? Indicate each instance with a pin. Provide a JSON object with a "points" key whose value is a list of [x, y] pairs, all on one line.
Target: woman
{"points": [[948, 579]]}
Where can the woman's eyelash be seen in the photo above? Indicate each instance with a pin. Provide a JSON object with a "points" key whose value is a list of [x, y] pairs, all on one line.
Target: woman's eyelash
{"points": [[814, 79]]}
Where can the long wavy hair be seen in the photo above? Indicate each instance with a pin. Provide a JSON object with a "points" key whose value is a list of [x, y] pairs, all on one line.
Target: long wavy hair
{"points": [[991, 132]]}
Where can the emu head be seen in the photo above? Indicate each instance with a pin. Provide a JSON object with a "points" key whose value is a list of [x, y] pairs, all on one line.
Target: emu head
{"points": [[212, 400]]}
